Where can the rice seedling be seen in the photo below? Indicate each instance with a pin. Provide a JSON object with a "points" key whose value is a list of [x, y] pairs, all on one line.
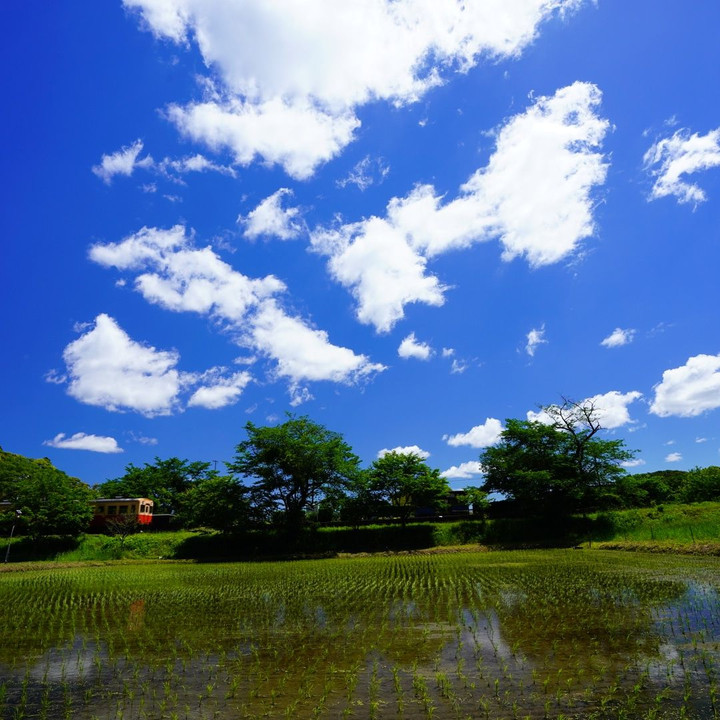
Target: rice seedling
{"points": [[512, 635]]}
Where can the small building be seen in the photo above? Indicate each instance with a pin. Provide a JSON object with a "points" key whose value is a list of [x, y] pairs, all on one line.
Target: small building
{"points": [[138, 510]]}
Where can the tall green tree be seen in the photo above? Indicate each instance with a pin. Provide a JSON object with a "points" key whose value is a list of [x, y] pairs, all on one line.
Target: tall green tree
{"points": [[49, 501], [163, 481], [401, 483], [294, 466], [559, 466], [217, 502]]}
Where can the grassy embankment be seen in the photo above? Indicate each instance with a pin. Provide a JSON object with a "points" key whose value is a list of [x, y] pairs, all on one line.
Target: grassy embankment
{"points": [[670, 528]]}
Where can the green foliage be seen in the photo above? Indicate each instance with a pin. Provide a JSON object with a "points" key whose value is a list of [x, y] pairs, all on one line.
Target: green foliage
{"points": [[49, 501], [476, 499], [701, 484], [164, 482], [217, 502], [401, 483], [295, 465], [557, 468]]}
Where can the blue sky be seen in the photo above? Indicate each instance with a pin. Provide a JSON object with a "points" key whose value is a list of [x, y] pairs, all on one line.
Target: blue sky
{"points": [[409, 220]]}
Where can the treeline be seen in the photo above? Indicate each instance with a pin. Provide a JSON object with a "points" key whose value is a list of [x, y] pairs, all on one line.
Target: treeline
{"points": [[298, 474]]}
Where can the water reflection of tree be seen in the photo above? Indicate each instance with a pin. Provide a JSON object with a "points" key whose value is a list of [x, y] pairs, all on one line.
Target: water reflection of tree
{"points": [[587, 618]]}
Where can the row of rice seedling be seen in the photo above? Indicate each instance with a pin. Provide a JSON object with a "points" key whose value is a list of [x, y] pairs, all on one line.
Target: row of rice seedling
{"points": [[541, 634]]}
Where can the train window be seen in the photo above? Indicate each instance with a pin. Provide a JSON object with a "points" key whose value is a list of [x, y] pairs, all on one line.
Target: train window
{"points": [[99, 509], [123, 509], [132, 509], [112, 509]]}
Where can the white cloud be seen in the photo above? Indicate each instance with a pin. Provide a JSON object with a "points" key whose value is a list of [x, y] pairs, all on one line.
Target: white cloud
{"points": [[637, 462], [535, 338], [672, 159], [411, 348], [83, 441], [458, 367], [121, 162], [700, 439], [270, 218], [303, 353], [689, 390], [384, 273], [611, 409], [406, 450], [221, 392], [673, 457], [535, 196], [180, 277], [464, 471], [364, 172], [479, 436], [108, 369], [291, 75], [618, 337], [448, 352], [192, 163]]}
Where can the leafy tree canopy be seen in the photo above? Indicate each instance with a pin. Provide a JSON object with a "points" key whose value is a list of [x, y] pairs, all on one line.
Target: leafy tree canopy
{"points": [[49, 501], [164, 482], [295, 465], [555, 467], [217, 502], [402, 483]]}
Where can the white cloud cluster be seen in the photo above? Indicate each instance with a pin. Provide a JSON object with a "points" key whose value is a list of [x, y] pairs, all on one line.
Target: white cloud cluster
{"points": [[364, 172], [269, 218], [410, 347], [121, 162], [176, 275], [535, 196], [672, 159], [220, 392], [673, 457], [464, 471], [479, 436], [618, 337], [126, 160], [636, 462], [83, 441], [611, 409], [535, 338], [107, 368], [289, 76], [689, 390], [405, 450]]}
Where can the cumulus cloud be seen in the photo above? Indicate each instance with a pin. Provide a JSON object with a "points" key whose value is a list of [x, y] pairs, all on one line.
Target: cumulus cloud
{"points": [[107, 368], [221, 392], [410, 347], [671, 160], [637, 462], [121, 162], [479, 436], [535, 196], [673, 457], [83, 441], [464, 471], [535, 338], [689, 390], [611, 409], [269, 218], [176, 275], [289, 77], [618, 337], [406, 450]]}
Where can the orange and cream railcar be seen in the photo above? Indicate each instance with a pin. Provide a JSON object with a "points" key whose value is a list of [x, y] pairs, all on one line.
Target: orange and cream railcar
{"points": [[127, 509]]}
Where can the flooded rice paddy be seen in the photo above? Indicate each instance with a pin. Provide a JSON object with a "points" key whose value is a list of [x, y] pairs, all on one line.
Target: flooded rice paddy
{"points": [[539, 634]]}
